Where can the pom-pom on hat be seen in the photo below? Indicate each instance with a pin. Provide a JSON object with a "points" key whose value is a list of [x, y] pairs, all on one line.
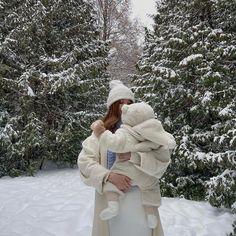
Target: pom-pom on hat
{"points": [[117, 92]]}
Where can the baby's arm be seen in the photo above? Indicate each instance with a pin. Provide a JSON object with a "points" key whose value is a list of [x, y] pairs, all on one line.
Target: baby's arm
{"points": [[145, 146], [114, 142]]}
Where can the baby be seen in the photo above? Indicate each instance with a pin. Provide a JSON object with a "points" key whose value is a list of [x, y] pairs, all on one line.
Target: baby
{"points": [[149, 144]]}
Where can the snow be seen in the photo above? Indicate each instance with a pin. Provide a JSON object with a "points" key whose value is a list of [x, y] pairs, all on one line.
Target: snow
{"points": [[232, 141], [7, 132], [165, 71], [30, 92], [57, 203], [172, 74], [207, 97], [226, 111], [177, 40], [194, 108], [215, 32], [190, 58], [210, 156], [222, 176]]}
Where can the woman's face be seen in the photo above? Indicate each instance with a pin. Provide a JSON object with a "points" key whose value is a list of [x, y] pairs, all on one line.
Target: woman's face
{"points": [[125, 101]]}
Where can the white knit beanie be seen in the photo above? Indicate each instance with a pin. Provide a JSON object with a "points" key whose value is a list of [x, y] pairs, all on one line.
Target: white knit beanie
{"points": [[118, 91]]}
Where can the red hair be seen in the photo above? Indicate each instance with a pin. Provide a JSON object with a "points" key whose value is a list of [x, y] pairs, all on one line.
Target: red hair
{"points": [[112, 116]]}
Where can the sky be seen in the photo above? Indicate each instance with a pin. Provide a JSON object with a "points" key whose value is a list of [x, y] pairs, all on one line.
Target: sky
{"points": [[142, 8], [57, 203]]}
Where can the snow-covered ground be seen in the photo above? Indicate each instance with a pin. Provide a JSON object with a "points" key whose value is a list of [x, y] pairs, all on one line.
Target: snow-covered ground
{"points": [[57, 203]]}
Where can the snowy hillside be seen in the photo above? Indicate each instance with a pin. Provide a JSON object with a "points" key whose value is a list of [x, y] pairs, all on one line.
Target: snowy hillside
{"points": [[57, 203]]}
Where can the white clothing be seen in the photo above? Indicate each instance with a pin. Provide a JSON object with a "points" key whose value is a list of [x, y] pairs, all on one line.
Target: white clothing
{"points": [[92, 166], [130, 214]]}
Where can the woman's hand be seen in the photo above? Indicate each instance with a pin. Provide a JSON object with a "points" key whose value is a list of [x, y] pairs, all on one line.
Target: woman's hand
{"points": [[122, 182], [98, 127], [124, 156]]}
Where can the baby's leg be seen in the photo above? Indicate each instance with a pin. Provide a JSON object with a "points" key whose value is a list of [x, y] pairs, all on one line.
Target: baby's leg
{"points": [[151, 197], [151, 213], [113, 193], [151, 201], [149, 187], [112, 197]]}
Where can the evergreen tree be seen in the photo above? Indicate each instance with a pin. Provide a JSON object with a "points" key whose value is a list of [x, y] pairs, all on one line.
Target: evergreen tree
{"points": [[123, 33], [53, 81], [187, 73]]}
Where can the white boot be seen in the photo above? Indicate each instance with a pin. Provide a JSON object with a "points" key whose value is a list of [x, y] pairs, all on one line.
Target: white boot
{"points": [[152, 221], [111, 211]]}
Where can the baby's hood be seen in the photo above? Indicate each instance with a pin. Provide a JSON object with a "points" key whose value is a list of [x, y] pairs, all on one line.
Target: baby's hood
{"points": [[136, 113], [153, 130]]}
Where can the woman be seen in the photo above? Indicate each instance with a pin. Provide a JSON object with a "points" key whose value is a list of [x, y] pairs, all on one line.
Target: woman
{"points": [[94, 163]]}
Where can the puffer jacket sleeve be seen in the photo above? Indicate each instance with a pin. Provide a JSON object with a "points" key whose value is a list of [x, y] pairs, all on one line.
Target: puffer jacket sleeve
{"points": [[114, 142], [91, 171]]}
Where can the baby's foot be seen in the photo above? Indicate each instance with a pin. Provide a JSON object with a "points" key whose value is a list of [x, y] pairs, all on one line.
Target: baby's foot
{"points": [[111, 211], [152, 221]]}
